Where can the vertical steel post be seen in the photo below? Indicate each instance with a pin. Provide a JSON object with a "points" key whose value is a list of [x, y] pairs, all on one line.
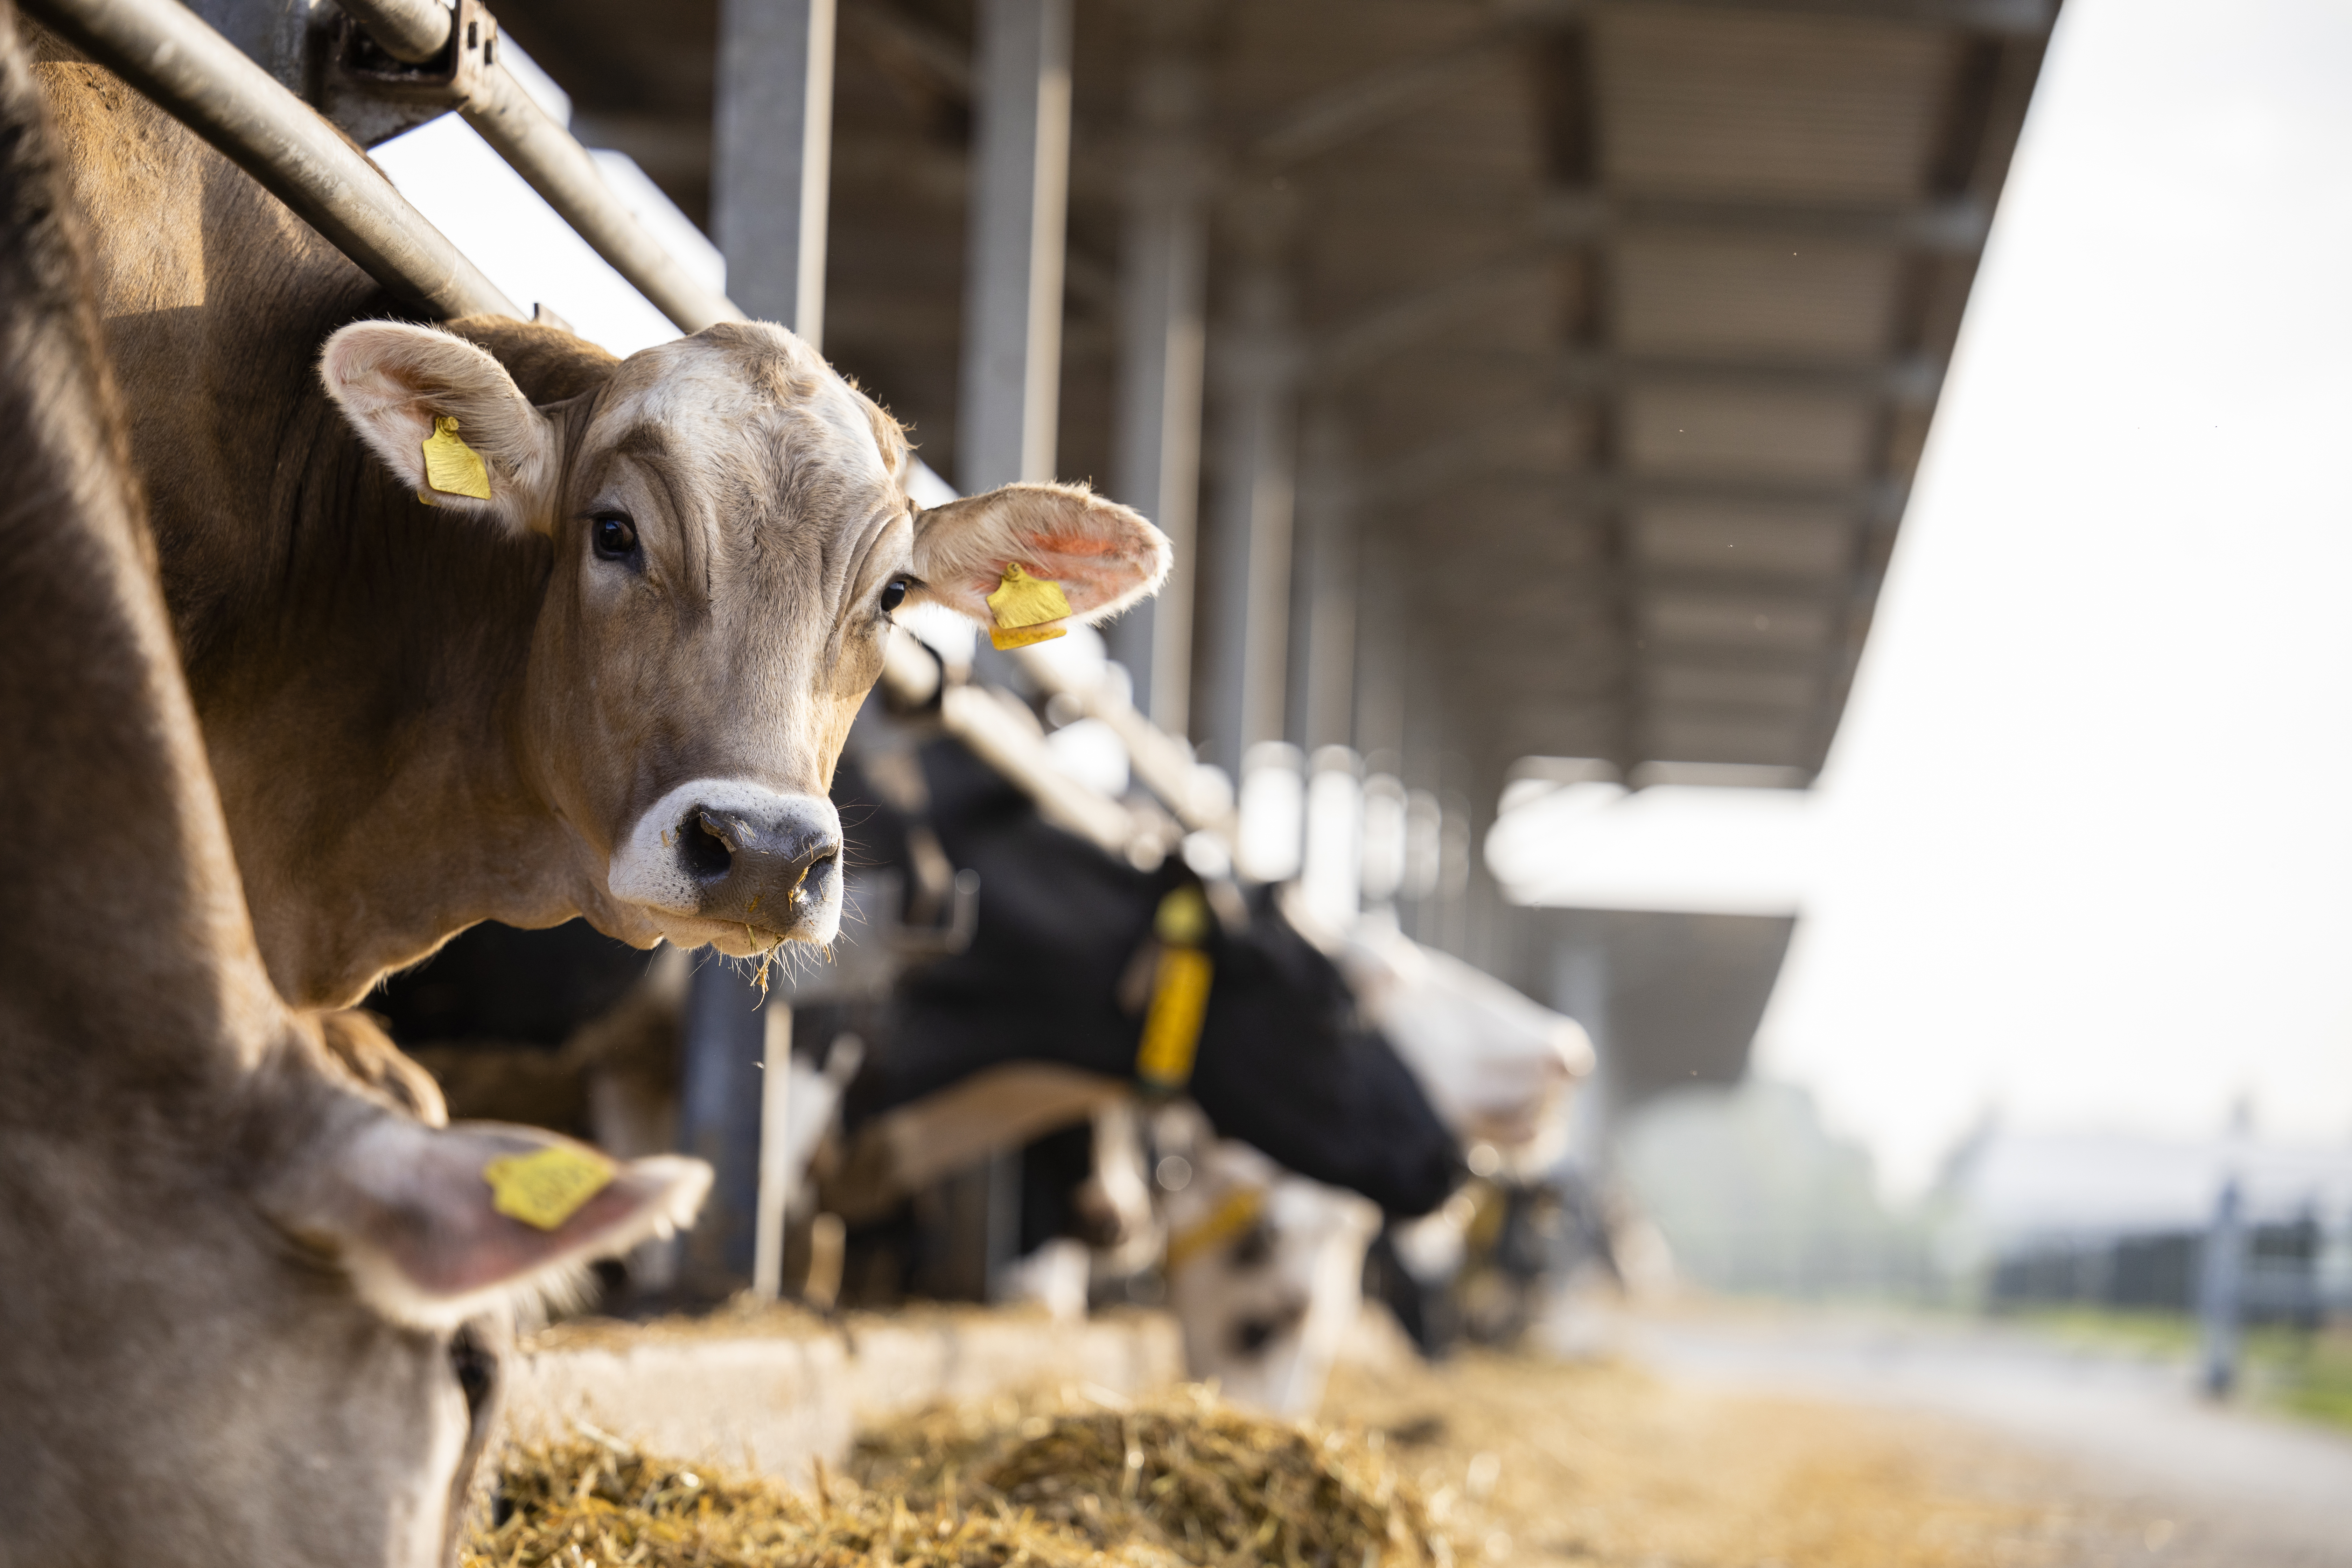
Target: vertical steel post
{"points": [[1249, 616], [772, 157], [1156, 460], [1009, 395], [1324, 646], [2221, 1295], [722, 1047], [776, 1172]]}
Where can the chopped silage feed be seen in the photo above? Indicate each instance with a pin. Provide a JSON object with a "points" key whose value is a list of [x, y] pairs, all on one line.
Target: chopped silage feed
{"points": [[1185, 1480]]}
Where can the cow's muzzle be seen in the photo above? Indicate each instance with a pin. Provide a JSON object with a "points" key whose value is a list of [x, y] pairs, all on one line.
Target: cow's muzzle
{"points": [[745, 865]]}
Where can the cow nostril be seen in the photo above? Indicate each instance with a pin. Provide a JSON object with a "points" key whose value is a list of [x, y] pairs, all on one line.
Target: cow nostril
{"points": [[706, 855], [1252, 1335]]}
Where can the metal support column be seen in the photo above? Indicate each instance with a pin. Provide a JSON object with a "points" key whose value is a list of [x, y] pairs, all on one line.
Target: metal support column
{"points": [[1249, 616], [723, 1050], [1323, 647], [773, 1210], [2220, 1292], [1010, 390], [1381, 657], [1156, 463], [772, 157]]}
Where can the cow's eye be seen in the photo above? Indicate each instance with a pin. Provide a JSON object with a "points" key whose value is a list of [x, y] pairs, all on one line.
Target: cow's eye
{"points": [[615, 534], [894, 594]]}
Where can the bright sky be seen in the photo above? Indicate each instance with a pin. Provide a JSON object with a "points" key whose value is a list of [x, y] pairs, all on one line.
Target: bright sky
{"points": [[2083, 849]]}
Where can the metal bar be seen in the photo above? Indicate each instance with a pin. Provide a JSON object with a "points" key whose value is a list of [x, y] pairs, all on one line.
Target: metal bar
{"points": [[775, 1202], [560, 170], [411, 31], [1196, 796], [1248, 621], [1009, 742], [1163, 265], [202, 79], [773, 156], [1010, 401], [554, 163]]}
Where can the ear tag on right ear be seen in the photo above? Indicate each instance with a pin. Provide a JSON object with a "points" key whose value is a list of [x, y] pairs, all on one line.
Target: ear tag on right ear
{"points": [[547, 1186], [1024, 607], [450, 465]]}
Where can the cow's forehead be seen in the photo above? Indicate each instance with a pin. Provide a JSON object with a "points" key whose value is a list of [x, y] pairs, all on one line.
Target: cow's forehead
{"points": [[732, 394]]}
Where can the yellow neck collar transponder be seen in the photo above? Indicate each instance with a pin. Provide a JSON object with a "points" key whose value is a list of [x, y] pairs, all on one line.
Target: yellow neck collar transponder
{"points": [[1179, 993]]}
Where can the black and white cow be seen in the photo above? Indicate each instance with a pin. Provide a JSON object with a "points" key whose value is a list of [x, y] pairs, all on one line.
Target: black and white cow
{"points": [[1056, 973], [1015, 1041]]}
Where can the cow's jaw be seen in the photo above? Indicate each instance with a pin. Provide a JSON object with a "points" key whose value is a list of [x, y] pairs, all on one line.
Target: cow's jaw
{"points": [[734, 865]]}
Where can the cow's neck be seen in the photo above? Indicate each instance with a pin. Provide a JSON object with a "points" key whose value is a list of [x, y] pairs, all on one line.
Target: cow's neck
{"points": [[130, 1001], [362, 711], [356, 658]]}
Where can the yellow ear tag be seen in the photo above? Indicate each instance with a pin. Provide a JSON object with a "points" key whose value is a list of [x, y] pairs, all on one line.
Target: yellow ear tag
{"points": [[547, 1186], [1023, 607], [450, 465]]}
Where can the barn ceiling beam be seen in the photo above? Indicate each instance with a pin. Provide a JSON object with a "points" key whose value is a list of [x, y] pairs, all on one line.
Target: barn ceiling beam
{"points": [[1489, 453], [1575, 219], [1953, 225], [2014, 18], [1340, 114], [930, 52]]}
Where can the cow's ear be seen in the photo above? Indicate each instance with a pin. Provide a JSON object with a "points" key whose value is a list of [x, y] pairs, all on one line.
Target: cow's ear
{"points": [[435, 1225], [401, 386], [1103, 556]]}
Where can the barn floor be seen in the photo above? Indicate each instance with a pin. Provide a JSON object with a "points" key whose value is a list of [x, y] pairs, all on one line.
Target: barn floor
{"points": [[1536, 1461]]}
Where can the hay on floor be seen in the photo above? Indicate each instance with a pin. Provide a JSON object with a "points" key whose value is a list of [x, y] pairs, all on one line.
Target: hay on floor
{"points": [[1184, 1481]]}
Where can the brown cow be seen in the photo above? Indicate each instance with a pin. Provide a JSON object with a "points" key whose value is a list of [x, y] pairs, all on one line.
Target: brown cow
{"points": [[229, 1281], [617, 688]]}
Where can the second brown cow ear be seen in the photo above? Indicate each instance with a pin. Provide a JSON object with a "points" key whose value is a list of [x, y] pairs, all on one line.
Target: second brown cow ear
{"points": [[1102, 556], [436, 1225], [446, 418]]}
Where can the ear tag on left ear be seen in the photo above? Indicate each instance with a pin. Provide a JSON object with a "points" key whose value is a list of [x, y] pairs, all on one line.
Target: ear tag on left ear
{"points": [[1024, 606], [547, 1186], [450, 465]]}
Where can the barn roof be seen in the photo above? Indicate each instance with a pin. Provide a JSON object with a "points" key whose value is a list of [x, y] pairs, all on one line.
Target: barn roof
{"points": [[1630, 315]]}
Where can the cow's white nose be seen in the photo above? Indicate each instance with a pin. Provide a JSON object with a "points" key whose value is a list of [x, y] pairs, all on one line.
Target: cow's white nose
{"points": [[736, 855]]}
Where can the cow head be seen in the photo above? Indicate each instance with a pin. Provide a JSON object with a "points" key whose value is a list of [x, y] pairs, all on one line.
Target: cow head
{"points": [[731, 532], [282, 1339]]}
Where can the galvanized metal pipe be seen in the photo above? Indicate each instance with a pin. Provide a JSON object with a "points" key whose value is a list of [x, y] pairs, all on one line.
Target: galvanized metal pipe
{"points": [[554, 163], [201, 79], [1009, 742]]}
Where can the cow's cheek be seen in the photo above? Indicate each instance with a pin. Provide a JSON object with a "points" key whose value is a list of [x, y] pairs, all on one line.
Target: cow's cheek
{"points": [[589, 703], [854, 677]]}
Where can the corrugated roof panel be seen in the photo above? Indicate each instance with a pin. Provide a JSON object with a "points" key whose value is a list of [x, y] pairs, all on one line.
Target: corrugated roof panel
{"points": [[1742, 434], [1711, 102], [1754, 296], [1701, 686], [1727, 620], [1703, 738], [1699, 536]]}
